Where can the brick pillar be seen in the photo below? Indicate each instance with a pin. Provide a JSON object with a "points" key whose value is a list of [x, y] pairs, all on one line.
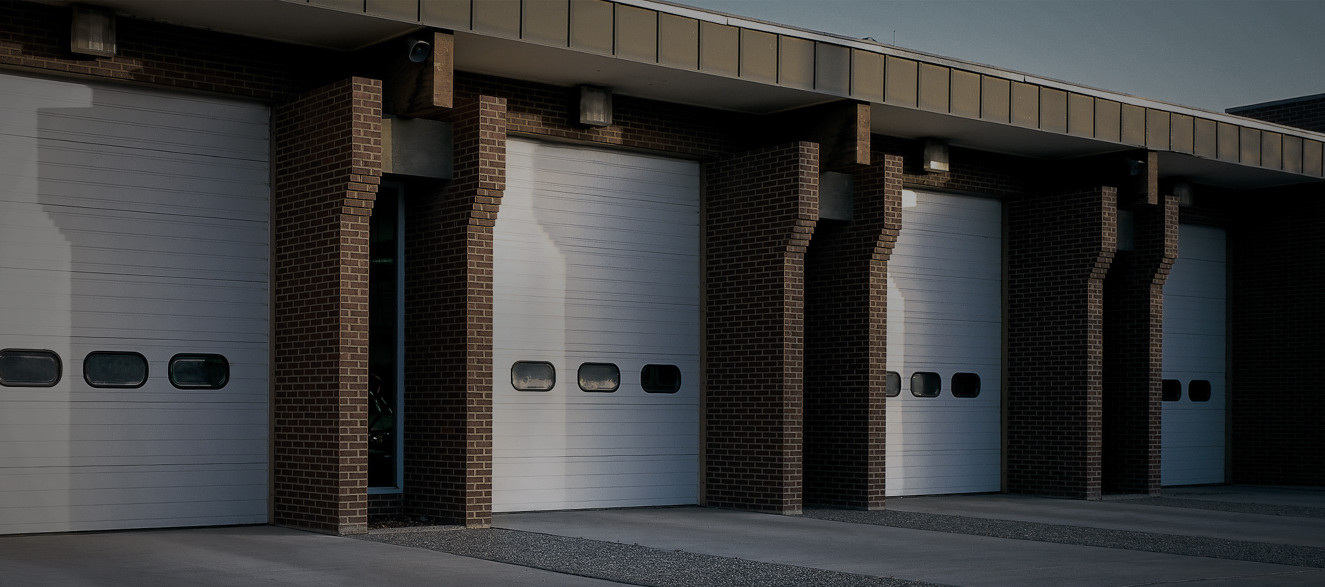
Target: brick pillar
{"points": [[328, 155], [1277, 273], [448, 325], [761, 207], [1133, 352], [1059, 248], [846, 294]]}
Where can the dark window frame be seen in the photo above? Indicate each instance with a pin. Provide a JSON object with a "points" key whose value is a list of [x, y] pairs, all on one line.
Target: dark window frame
{"points": [[579, 378], [960, 383], [1199, 390], [549, 365], [147, 370], [1170, 390], [170, 370], [644, 380], [925, 377], [892, 384], [59, 368]]}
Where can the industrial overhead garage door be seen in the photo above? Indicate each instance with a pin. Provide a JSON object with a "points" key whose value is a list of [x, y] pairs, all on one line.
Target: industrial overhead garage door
{"points": [[945, 332], [133, 308], [596, 330], [1194, 358]]}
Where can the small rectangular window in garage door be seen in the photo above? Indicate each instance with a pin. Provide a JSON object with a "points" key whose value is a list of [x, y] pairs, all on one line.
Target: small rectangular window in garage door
{"points": [[660, 378], [965, 385], [926, 384], [29, 368], [893, 384], [1171, 390], [533, 376], [1198, 390], [599, 377], [199, 371], [115, 369]]}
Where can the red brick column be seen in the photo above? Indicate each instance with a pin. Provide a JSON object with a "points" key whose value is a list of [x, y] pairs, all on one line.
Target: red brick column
{"points": [[1133, 350], [1277, 273], [327, 165], [448, 326], [846, 294], [1059, 248], [761, 208]]}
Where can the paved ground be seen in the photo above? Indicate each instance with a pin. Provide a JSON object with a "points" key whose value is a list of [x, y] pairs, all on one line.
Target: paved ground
{"points": [[1210, 536]]}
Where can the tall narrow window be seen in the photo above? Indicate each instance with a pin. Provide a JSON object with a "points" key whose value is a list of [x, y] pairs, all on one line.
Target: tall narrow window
{"points": [[386, 246]]}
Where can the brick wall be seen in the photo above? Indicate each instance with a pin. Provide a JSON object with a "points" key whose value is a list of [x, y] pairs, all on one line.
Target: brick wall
{"points": [[1133, 343], [846, 294], [448, 333], [36, 37], [977, 172], [327, 146], [552, 112], [1307, 112], [1059, 247], [761, 208], [1276, 396]]}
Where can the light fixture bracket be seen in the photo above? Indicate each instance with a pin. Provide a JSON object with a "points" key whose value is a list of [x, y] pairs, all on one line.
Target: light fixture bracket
{"points": [[595, 106], [92, 31], [936, 156]]}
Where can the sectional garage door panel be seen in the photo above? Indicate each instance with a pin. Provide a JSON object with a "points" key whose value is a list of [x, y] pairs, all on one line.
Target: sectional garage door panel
{"points": [[596, 260], [133, 221], [1194, 350], [945, 317]]}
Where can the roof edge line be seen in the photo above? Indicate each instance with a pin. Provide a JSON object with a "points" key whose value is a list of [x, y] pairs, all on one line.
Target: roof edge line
{"points": [[1283, 102]]}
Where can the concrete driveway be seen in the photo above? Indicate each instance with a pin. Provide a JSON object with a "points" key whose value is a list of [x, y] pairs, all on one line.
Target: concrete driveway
{"points": [[1208, 536]]}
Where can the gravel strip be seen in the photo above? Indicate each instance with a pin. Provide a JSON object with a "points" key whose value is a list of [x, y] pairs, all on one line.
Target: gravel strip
{"points": [[1231, 506], [1282, 554], [623, 563]]}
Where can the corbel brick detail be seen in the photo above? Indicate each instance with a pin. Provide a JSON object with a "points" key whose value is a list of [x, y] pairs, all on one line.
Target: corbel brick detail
{"points": [[761, 209], [1133, 350], [327, 166], [846, 295], [1060, 245], [448, 337]]}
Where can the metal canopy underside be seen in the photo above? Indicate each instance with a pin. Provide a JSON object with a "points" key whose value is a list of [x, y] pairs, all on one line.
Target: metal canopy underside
{"points": [[912, 95]]}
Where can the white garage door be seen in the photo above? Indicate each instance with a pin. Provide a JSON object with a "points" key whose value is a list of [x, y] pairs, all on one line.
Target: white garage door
{"points": [[945, 333], [133, 308], [596, 330], [1194, 359]]}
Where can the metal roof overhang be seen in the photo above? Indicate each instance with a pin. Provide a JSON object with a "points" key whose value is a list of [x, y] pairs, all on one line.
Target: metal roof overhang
{"points": [[348, 25]]}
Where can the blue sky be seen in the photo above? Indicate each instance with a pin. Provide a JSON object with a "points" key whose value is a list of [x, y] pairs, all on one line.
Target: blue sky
{"points": [[1211, 54]]}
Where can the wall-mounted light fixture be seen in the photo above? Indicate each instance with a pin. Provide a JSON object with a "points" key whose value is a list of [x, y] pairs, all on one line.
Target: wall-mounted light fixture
{"points": [[1126, 230], [595, 106], [1135, 166], [835, 195], [936, 156], [419, 50], [1183, 191], [92, 31]]}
